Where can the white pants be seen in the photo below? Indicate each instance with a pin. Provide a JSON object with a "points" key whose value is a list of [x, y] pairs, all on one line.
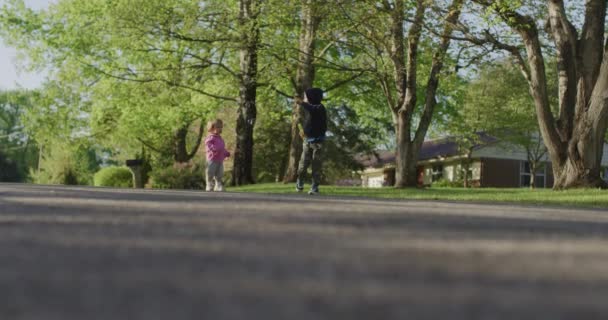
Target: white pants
{"points": [[215, 173]]}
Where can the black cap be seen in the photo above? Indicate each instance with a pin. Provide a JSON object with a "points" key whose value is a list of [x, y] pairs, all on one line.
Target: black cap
{"points": [[314, 95]]}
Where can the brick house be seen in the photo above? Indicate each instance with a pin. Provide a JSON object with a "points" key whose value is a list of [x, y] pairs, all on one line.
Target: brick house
{"points": [[494, 163]]}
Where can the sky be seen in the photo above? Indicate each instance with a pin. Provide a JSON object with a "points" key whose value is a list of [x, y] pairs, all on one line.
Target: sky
{"points": [[11, 77]]}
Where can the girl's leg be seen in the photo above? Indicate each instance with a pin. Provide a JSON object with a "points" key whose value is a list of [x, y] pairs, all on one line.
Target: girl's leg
{"points": [[210, 174], [219, 176]]}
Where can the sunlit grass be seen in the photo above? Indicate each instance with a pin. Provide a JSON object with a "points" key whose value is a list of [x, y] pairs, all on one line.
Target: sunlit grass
{"points": [[580, 197]]}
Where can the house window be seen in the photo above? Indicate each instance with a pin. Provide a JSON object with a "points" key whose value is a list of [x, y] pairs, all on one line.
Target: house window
{"points": [[437, 173], [524, 175]]}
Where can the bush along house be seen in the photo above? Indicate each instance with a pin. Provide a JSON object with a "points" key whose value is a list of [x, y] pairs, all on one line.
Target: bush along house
{"points": [[490, 162]]}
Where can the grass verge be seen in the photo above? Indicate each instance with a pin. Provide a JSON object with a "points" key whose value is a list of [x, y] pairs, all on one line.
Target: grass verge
{"points": [[594, 198]]}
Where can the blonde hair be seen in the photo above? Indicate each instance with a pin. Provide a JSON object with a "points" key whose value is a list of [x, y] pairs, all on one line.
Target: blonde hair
{"points": [[214, 124]]}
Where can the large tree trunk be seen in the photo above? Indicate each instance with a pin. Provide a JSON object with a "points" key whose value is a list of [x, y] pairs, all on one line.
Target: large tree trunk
{"points": [[575, 139], [588, 101], [406, 161], [406, 156], [304, 79], [246, 115], [405, 83], [295, 147], [583, 165], [180, 154]]}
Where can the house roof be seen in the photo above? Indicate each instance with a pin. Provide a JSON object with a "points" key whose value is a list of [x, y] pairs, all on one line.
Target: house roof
{"points": [[448, 146], [376, 159], [442, 147]]}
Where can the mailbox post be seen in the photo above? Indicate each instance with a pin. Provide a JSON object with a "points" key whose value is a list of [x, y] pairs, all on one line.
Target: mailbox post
{"points": [[136, 167]]}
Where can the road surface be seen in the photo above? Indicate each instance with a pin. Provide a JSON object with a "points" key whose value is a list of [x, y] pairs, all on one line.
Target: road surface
{"points": [[95, 253]]}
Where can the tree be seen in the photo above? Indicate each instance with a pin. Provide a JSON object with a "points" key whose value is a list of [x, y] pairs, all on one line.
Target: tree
{"points": [[74, 164], [150, 71], [310, 19], [66, 154], [272, 142], [574, 135], [167, 122], [497, 103], [382, 25], [310, 53], [157, 48], [249, 11], [18, 152]]}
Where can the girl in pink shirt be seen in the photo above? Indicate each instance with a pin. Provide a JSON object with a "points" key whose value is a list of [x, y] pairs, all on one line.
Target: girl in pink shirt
{"points": [[216, 153]]}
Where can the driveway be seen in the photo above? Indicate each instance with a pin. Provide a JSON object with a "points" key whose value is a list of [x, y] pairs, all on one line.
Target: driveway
{"points": [[96, 253]]}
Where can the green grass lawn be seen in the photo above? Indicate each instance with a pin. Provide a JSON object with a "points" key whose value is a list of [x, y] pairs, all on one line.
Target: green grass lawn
{"points": [[580, 198]]}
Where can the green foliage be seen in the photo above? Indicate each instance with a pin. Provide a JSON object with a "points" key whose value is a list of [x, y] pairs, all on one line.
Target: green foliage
{"points": [[59, 113], [131, 71], [272, 138], [9, 171], [18, 150], [348, 134], [134, 114], [129, 74], [498, 102], [67, 165], [347, 137], [120, 177], [367, 108], [178, 176]]}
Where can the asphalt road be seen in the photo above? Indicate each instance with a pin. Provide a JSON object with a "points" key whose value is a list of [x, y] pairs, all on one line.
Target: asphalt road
{"points": [[86, 253]]}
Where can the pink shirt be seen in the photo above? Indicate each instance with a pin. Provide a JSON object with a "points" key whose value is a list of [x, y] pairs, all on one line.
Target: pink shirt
{"points": [[216, 149]]}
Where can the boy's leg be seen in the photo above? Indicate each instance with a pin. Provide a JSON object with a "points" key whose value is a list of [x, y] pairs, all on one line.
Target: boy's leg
{"points": [[317, 163], [210, 172], [303, 165], [219, 177]]}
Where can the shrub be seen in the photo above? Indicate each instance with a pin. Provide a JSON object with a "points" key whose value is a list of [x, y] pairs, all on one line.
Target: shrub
{"points": [[444, 183], [178, 176], [66, 165], [120, 177]]}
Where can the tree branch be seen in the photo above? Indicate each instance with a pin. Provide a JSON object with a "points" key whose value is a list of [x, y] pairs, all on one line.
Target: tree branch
{"points": [[148, 80], [433, 82], [411, 81], [149, 145], [344, 81], [277, 90], [201, 130], [565, 38]]}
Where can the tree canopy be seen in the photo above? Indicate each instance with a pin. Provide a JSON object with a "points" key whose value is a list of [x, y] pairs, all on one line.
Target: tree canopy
{"points": [[136, 77]]}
